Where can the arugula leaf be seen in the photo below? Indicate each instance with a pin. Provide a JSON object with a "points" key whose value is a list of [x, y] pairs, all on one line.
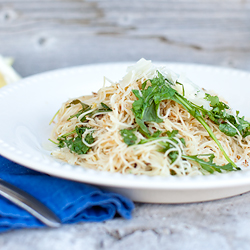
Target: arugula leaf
{"points": [[216, 103], [85, 107], [192, 109], [227, 129], [128, 136], [173, 156], [183, 141], [160, 90], [243, 126], [144, 108], [75, 102], [219, 115], [75, 144], [209, 165], [172, 134], [104, 109], [156, 134]]}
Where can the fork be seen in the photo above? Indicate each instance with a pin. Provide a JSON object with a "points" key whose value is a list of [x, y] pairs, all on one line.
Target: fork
{"points": [[29, 203]]}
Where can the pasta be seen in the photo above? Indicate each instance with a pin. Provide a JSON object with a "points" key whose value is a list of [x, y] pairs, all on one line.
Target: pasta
{"points": [[114, 139]]}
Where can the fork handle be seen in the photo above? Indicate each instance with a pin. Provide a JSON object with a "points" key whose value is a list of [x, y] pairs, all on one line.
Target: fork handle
{"points": [[29, 203]]}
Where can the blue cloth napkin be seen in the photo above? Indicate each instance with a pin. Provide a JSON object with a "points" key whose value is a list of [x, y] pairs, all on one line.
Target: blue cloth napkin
{"points": [[71, 201]]}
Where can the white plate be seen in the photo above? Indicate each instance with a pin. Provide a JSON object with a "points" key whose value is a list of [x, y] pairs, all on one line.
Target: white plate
{"points": [[28, 106]]}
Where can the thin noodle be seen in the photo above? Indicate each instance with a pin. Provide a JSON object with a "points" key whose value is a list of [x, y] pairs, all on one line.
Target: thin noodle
{"points": [[109, 152]]}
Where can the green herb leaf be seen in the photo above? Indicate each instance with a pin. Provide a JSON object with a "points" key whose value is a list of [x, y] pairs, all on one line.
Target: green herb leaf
{"points": [[156, 134], [209, 166], [105, 108], [75, 144], [227, 129], [243, 126], [216, 103], [172, 134], [145, 108], [183, 141], [128, 136], [85, 108], [219, 115], [173, 156], [75, 102]]}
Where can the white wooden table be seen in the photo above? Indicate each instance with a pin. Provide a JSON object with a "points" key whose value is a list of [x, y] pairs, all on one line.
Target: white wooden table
{"points": [[48, 34]]}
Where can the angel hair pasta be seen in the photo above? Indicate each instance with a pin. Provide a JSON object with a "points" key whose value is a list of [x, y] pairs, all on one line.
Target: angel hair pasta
{"points": [[152, 122]]}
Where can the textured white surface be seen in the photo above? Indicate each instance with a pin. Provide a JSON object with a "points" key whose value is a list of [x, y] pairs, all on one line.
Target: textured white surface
{"points": [[215, 225]]}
